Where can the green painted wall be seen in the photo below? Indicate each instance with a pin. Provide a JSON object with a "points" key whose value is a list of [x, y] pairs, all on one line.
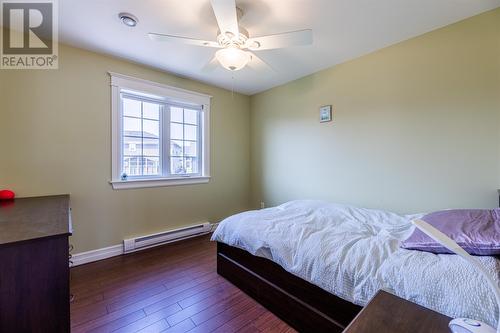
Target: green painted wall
{"points": [[416, 126], [55, 137]]}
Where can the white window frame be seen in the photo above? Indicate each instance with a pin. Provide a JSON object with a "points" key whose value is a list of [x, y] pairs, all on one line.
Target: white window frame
{"points": [[168, 95]]}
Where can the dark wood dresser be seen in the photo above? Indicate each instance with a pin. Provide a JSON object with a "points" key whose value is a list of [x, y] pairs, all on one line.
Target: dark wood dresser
{"points": [[34, 269], [390, 314]]}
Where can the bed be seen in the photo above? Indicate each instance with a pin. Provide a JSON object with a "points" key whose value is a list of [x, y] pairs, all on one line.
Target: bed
{"points": [[315, 264]]}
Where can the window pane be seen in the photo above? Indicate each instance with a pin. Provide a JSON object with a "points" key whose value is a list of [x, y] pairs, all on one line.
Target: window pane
{"points": [[151, 147], [132, 126], [190, 148], [176, 165], [151, 128], [141, 138], [151, 110], [190, 132], [132, 165], [191, 117], [176, 148], [143, 147], [176, 131], [132, 146], [191, 164], [131, 107], [176, 115], [151, 166]]}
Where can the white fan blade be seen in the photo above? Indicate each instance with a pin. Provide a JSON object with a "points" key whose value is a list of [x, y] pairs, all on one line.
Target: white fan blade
{"points": [[211, 66], [277, 41], [227, 18], [182, 40], [258, 64]]}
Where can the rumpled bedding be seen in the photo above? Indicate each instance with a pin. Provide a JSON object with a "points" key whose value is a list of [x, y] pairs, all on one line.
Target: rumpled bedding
{"points": [[354, 252]]}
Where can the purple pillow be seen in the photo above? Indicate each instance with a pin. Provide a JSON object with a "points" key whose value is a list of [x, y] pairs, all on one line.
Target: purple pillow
{"points": [[475, 230]]}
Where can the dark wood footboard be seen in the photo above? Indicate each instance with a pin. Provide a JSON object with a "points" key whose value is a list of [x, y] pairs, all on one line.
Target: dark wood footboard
{"points": [[302, 305]]}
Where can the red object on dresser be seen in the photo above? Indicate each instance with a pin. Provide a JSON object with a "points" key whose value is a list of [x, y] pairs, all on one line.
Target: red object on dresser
{"points": [[7, 195]]}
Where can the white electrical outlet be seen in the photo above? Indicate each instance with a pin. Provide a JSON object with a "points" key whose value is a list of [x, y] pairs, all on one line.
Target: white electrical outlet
{"points": [[262, 205]]}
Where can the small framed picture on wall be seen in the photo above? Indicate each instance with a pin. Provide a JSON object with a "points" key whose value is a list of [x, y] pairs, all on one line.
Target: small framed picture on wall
{"points": [[325, 113]]}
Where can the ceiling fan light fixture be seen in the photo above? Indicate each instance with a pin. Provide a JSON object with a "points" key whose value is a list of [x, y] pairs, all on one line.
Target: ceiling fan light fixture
{"points": [[229, 39], [232, 58]]}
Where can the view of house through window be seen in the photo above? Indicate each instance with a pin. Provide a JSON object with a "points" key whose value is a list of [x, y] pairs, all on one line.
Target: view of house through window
{"points": [[159, 139], [184, 140], [141, 138]]}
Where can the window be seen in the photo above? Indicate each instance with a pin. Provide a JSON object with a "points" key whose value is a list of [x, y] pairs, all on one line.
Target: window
{"points": [[184, 141], [140, 137], [160, 134]]}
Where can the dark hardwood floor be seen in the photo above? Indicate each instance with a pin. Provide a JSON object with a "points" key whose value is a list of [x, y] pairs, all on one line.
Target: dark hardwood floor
{"points": [[173, 288]]}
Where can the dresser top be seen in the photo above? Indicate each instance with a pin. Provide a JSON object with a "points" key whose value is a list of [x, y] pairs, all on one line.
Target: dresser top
{"points": [[24, 219], [388, 313]]}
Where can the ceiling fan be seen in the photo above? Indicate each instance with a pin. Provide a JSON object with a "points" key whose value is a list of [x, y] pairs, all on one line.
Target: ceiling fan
{"points": [[234, 42]]}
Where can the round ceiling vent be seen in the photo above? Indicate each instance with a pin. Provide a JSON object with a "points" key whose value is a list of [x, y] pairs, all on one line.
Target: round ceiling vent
{"points": [[128, 19]]}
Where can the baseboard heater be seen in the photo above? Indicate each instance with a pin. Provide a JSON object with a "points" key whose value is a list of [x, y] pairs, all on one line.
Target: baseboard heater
{"points": [[148, 241]]}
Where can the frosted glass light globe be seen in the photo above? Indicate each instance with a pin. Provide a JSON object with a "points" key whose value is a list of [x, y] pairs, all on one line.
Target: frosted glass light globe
{"points": [[232, 58]]}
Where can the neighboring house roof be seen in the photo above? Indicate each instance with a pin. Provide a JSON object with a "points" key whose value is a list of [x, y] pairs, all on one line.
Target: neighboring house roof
{"points": [[176, 149], [140, 134]]}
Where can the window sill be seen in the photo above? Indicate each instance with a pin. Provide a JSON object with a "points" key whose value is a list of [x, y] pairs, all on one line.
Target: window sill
{"points": [[160, 182]]}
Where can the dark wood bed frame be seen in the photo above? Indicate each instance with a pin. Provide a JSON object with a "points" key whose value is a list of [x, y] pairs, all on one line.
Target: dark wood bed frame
{"points": [[302, 305]]}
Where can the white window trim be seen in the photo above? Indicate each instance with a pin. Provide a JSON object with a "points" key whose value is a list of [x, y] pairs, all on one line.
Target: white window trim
{"points": [[120, 82]]}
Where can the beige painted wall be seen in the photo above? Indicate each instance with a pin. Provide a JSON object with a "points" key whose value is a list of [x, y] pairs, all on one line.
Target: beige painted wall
{"points": [[55, 138], [416, 126]]}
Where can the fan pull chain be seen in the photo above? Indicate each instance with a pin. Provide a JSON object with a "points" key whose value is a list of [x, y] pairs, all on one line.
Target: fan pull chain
{"points": [[232, 87]]}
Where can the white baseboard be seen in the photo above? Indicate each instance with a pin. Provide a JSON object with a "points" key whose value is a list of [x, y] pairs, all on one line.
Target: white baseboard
{"points": [[110, 251], [95, 255]]}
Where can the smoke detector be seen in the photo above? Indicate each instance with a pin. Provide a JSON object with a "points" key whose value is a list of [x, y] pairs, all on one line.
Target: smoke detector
{"points": [[128, 19]]}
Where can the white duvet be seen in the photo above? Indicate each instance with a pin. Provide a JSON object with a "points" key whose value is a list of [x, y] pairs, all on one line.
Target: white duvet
{"points": [[353, 252]]}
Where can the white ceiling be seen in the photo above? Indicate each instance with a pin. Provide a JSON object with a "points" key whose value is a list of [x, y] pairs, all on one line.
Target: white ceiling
{"points": [[342, 30]]}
